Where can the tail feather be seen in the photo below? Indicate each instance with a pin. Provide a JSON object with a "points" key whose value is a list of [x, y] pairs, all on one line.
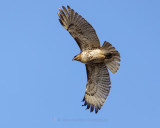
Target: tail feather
{"points": [[112, 60]]}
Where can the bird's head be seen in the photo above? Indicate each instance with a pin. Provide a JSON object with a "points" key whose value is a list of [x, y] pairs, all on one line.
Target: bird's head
{"points": [[77, 57]]}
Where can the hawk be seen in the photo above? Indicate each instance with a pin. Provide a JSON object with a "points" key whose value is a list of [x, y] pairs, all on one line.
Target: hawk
{"points": [[97, 59]]}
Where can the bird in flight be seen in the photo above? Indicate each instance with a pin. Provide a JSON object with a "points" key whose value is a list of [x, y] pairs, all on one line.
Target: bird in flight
{"points": [[97, 59]]}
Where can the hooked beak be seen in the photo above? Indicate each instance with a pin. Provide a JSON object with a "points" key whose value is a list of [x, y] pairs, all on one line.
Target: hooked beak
{"points": [[77, 58], [74, 58]]}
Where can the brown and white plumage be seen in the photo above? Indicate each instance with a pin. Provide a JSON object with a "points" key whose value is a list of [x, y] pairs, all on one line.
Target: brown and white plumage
{"points": [[79, 28], [97, 88], [97, 59]]}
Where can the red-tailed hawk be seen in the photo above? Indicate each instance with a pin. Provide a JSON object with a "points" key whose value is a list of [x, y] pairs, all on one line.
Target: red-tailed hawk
{"points": [[96, 58]]}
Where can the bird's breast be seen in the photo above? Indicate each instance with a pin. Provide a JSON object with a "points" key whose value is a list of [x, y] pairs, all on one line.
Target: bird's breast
{"points": [[95, 56]]}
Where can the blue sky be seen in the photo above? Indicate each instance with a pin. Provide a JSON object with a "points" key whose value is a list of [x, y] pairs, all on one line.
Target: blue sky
{"points": [[40, 85]]}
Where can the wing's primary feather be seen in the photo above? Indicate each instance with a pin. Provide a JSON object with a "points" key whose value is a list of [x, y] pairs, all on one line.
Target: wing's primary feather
{"points": [[83, 33], [98, 86]]}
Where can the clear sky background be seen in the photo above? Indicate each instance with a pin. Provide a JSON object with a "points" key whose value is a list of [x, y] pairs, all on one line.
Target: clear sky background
{"points": [[40, 85]]}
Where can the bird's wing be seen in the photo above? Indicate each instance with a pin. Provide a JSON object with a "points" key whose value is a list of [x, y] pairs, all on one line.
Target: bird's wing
{"points": [[83, 33], [98, 86]]}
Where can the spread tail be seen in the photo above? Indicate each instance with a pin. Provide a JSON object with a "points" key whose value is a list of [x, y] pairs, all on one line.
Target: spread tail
{"points": [[112, 60]]}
